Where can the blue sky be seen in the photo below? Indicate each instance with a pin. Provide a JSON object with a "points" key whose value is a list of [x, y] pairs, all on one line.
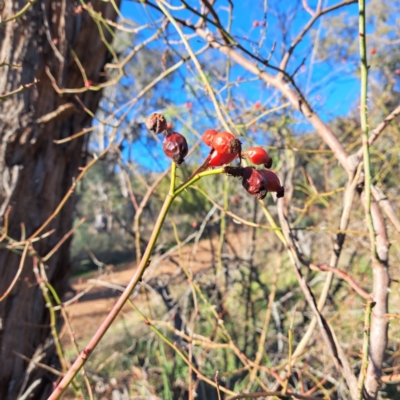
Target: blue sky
{"points": [[336, 95]]}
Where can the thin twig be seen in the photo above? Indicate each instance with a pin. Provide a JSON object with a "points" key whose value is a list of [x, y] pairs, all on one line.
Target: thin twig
{"points": [[20, 13], [17, 275]]}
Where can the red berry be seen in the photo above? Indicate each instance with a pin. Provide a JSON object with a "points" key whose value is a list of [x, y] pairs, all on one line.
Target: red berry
{"points": [[169, 125], [258, 156], [257, 104], [373, 51], [208, 136], [273, 183], [254, 182], [225, 142], [218, 159], [255, 24], [189, 105], [175, 147], [397, 72]]}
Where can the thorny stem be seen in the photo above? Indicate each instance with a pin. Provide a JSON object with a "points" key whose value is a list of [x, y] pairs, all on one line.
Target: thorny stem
{"points": [[84, 355], [364, 122]]}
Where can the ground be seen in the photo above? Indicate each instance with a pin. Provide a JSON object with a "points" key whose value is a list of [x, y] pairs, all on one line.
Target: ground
{"points": [[88, 312]]}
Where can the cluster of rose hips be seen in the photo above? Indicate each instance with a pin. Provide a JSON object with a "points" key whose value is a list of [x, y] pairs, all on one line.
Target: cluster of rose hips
{"points": [[224, 148]]}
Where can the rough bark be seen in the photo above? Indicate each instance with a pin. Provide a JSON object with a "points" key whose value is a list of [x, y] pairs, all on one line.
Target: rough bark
{"points": [[35, 173]]}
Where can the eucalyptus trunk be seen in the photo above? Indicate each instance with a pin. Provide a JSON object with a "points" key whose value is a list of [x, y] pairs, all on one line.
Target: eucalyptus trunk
{"points": [[35, 172]]}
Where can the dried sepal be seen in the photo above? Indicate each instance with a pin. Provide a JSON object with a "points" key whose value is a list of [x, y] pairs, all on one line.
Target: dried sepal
{"points": [[156, 123]]}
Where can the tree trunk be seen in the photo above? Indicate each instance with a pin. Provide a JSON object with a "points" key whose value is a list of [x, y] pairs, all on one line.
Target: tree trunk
{"points": [[36, 173]]}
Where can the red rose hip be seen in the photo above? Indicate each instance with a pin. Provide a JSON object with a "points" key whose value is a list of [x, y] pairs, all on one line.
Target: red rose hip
{"points": [[225, 142], [273, 183], [208, 136], [254, 182], [218, 159], [258, 156], [175, 147]]}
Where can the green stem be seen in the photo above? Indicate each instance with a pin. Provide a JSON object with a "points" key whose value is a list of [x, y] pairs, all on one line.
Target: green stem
{"points": [[190, 182], [173, 180], [73, 340], [364, 121], [222, 227], [20, 13], [84, 355]]}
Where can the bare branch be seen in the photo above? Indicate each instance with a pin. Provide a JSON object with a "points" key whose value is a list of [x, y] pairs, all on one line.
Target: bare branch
{"points": [[384, 203], [297, 101], [308, 8], [379, 324], [343, 275], [18, 90], [380, 128], [338, 355], [61, 112], [307, 27]]}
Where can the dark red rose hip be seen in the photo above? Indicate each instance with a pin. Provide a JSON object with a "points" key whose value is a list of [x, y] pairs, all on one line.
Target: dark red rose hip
{"points": [[254, 182], [273, 183], [175, 147]]}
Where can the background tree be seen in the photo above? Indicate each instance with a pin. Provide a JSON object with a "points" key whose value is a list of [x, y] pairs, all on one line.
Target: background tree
{"points": [[46, 45]]}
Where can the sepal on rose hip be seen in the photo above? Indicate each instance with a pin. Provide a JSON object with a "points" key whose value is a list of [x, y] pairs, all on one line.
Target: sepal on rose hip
{"points": [[234, 171], [156, 123], [175, 147]]}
